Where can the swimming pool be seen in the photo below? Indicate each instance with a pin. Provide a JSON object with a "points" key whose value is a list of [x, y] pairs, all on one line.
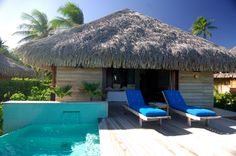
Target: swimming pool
{"points": [[53, 140]]}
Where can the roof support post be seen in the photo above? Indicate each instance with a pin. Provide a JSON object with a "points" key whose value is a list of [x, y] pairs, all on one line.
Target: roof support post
{"points": [[54, 73]]}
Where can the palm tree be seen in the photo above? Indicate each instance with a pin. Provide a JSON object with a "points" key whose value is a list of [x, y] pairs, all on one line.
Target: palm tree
{"points": [[73, 15], [202, 26], [3, 47], [37, 26], [2, 43]]}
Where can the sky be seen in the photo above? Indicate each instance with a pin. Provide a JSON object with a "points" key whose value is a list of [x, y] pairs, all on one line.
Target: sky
{"points": [[178, 13]]}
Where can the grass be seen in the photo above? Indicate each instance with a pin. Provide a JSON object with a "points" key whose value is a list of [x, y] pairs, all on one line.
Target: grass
{"points": [[1, 120]]}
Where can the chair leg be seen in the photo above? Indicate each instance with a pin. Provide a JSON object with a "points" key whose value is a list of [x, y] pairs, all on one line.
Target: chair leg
{"points": [[160, 121], [189, 121], [125, 110], [207, 122], [140, 122]]}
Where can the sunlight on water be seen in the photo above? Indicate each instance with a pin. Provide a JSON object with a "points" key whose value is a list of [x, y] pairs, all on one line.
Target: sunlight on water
{"points": [[53, 140], [89, 148]]}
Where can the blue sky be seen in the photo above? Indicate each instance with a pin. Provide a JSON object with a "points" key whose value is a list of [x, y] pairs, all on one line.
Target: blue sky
{"points": [[179, 13]]}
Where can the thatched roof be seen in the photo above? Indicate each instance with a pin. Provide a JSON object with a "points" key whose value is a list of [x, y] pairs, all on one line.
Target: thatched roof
{"points": [[128, 39], [225, 75], [221, 75], [9, 68], [233, 50]]}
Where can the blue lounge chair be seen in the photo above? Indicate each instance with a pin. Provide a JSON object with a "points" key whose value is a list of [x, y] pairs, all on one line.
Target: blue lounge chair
{"points": [[137, 106], [177, 104]]}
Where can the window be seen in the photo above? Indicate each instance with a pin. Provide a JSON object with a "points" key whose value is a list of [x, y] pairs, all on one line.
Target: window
{"points": [[119, 78]]}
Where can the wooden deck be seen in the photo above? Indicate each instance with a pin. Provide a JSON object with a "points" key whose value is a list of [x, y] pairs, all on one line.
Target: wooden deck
{"points": [[120, 135]]}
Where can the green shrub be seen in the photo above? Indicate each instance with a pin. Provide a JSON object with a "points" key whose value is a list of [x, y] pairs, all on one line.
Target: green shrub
{"points": [[30, 89], [24, 86], [18, 96], [225, 101], [40, 93]]}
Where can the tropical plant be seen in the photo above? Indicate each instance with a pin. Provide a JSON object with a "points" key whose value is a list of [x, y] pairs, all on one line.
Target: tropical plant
{"points": [[3, 47], [36, 27], [202, 27], [72, 15], [18, 97], [92, 89], [40, 93], [63, 91], [225, 101], [15, 85]]}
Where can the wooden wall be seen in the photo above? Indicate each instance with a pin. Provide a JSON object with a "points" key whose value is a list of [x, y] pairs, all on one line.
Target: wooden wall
{"points": [[197, 88], [222, 85], [233, 83], [225, 85], [2, 77], [75, 77]]}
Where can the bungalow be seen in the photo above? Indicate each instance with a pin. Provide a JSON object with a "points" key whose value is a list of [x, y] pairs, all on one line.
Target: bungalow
{"points": [[225, 82], [130, 50], [10, 68]]}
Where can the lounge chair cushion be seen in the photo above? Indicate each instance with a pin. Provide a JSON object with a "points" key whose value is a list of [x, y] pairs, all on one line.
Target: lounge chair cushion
{"points": [[136, 102], [149, 111], [176, 101], [201, 112]]}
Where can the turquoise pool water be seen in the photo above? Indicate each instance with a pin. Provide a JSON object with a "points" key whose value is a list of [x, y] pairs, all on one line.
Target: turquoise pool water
{"points": [[52, 140]]}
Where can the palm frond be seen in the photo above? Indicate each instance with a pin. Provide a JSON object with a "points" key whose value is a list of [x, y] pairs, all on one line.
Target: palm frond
{"points": [[201, 26], [209, 33], [30, 18], [73, 15], [41, 18], [212, 27], [28, 38], [25, 26], [60, 22], [22, 33], [37, 26]]}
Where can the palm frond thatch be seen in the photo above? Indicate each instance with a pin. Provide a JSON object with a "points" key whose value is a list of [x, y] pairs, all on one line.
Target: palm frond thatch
{"points": [[224, 75], [128, 39], [233, 50], [9, 68]]}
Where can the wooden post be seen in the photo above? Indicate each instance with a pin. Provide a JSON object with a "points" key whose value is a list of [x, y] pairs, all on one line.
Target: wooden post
{"points": [[54, 73], [189, 121], [140, 122], [207, 122], [104, 81], [174, 80]]}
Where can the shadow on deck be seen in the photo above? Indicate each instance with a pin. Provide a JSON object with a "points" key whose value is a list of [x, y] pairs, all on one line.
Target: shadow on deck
{"points": [[120, 135], [121, 119]]}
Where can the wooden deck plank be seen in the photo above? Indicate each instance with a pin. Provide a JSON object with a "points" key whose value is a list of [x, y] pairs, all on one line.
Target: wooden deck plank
{"points": [[120, 135]]}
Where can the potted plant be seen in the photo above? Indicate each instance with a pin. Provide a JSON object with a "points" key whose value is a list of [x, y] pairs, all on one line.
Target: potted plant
{"points": [[61, 92], [92, 89]]}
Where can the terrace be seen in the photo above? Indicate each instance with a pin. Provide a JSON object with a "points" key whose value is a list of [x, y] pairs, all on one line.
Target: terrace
{"points": [[120, 134], [101, 60]]}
